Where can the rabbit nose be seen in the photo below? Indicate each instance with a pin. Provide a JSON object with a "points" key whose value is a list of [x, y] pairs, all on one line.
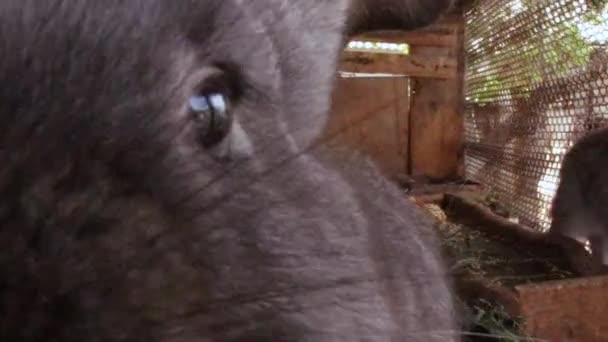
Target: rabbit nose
{"points": [[236, 147]]}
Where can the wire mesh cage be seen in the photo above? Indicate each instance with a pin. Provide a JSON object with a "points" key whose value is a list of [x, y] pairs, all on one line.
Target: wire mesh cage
{"points": [[536, 80]]}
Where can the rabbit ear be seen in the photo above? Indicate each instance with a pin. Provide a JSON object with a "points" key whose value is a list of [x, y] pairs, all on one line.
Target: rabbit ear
{"points": [[368, 15]]}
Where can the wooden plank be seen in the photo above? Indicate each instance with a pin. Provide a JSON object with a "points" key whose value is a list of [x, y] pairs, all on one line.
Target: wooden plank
{"points": [[428, 189], [443, 33], [566, 310], [483, 218], [438, 67], [432, 38], [460, 54], [402, 112], [370, 115], [437, 116], [436, 134]]}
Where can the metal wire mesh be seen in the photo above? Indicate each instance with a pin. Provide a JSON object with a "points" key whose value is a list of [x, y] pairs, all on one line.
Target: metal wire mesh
{"points": [[536, 80]]}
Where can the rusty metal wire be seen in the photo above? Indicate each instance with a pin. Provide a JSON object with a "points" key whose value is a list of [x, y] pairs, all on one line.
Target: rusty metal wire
{"points": [[536, 80]]}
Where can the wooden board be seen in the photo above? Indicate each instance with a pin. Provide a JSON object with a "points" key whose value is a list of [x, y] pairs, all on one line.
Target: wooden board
{"points": [[437, 38], [442, 34], [566, 310], [426, 67], [436, 130], [370, 115], [437, 120]]}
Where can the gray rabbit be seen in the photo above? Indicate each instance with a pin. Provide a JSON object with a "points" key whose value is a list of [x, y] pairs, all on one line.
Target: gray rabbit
{"points": [[579, 208], [160, 180]]}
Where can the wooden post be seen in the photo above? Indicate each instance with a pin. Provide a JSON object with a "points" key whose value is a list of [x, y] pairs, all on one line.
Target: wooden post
{"points": [[437, 121]]}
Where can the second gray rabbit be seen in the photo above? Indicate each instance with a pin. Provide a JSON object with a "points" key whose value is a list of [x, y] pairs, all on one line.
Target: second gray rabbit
{"points": [[580, 206]]}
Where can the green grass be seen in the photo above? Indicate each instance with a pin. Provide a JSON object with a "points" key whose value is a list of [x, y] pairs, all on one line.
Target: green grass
{"points": [[485, 321]]}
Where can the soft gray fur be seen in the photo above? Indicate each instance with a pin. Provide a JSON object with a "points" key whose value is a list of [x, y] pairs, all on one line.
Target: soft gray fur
{"points": [[580, 206], [118, 225]]}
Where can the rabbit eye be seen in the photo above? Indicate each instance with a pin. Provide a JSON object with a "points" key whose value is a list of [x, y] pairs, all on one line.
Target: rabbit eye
{"points": [[212, 116]]}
